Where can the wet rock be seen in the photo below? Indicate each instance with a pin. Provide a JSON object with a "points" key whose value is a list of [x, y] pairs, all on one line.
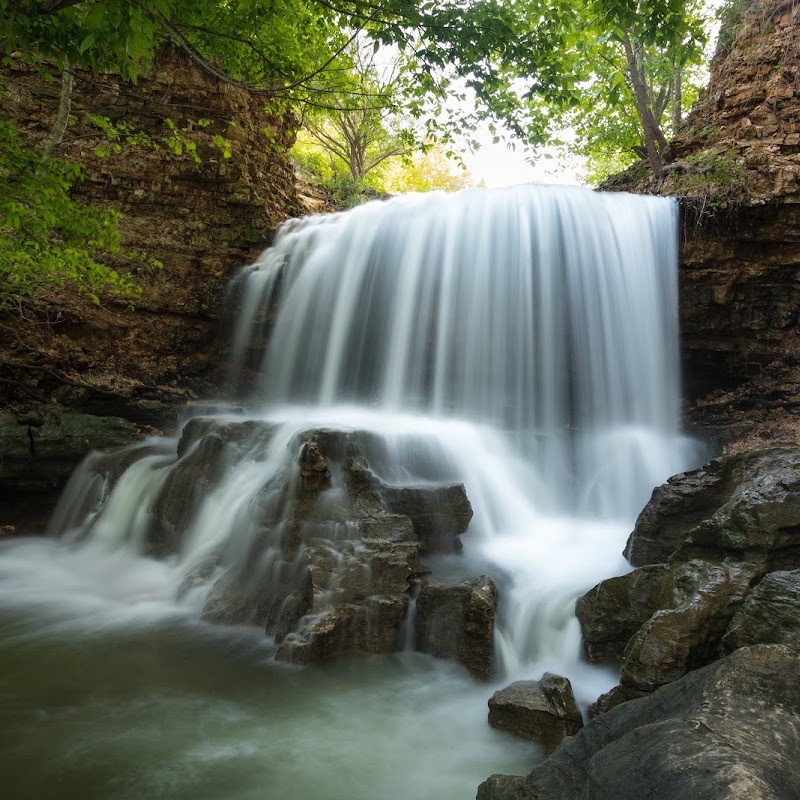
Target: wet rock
{"points": [[673, 510], [614, 610], [544, 711], [43, 447], [456, 621], [39, 451], [314, 470], [704, 735], [369, 627], [663, 620], [193, 477], [274, 598], [326, 553], [716, 531], [746, 506], [686, 633], [439, 514], [770, 615], [247, 438]]}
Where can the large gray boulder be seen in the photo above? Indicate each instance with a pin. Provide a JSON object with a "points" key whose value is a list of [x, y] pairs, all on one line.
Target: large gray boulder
{"points": [[744, 506], [614, 610], [705, 539], [729, 730], [661, 621], [687, 633]]}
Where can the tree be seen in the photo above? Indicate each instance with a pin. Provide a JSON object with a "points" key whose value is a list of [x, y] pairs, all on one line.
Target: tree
{"points": [[634, 96], [429, 171], [530, 63], [364, 125]]}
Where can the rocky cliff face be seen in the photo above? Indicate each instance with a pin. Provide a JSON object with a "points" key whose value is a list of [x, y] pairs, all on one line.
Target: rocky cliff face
{"points": [[201, 217], [736, 168], [61, 356]]}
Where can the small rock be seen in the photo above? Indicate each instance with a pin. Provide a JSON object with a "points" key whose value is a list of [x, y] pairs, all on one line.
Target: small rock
{"points": [[544, 711]]}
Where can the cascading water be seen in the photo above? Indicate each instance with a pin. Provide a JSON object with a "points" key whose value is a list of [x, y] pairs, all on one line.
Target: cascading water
{"points": [[531, 332], [522, 342]]}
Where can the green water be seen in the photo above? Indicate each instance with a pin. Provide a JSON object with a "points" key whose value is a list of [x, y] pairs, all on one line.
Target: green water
{"points": [[108, 691]]}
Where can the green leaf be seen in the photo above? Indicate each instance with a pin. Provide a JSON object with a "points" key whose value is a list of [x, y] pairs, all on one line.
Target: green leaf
{"points": [[87, 42]]}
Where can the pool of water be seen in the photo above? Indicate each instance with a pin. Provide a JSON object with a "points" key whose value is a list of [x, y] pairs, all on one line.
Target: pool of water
{"points": [[108, 690]]}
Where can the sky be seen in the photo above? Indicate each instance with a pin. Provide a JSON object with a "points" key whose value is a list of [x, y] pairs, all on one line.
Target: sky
{"points": [[497, 165]]}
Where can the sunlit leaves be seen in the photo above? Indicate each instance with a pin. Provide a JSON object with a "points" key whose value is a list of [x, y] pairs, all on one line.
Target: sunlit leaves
{"points": [[46, 237]]}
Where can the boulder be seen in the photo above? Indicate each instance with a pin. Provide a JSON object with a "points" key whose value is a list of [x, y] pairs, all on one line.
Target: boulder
{"points": [[702, 736], [744, 506], [705, 539], [770, 615], [456, 621], [614, 610], [662, 620], [674, 509], [544, 711], [369, 627], [440, 514], [686, 633]]}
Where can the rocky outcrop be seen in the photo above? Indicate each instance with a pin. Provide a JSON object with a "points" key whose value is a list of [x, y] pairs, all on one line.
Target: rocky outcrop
{"points": [[456, 621], [544, 711], [745, 506], [300, 539], [201, 218], [704, 540], [770, 615], [735, 167], [704, 735]]}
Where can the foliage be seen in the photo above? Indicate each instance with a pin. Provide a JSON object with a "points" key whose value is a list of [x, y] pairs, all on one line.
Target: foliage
{"points": [[607, 67], [732, 15], [425, 172], [710, 182], [525, 62], [638, 80], [47, 237], [364, 125], [322, 167]]}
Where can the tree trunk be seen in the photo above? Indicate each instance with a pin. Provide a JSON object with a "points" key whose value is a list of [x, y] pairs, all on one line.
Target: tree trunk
{"points": [[677, 100], [64, 105], [650, 129]]}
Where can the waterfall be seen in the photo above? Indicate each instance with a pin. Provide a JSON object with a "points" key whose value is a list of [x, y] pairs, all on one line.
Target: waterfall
{"points": [[523, 341], [517, 347], [545, 314]]}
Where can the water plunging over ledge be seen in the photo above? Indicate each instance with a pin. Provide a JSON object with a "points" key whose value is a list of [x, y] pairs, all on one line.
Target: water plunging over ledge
{"points": [[521, 342]]}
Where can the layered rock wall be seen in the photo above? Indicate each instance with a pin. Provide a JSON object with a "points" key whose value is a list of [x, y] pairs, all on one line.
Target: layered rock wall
{"points": [[61, 356], [184, 202]]}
